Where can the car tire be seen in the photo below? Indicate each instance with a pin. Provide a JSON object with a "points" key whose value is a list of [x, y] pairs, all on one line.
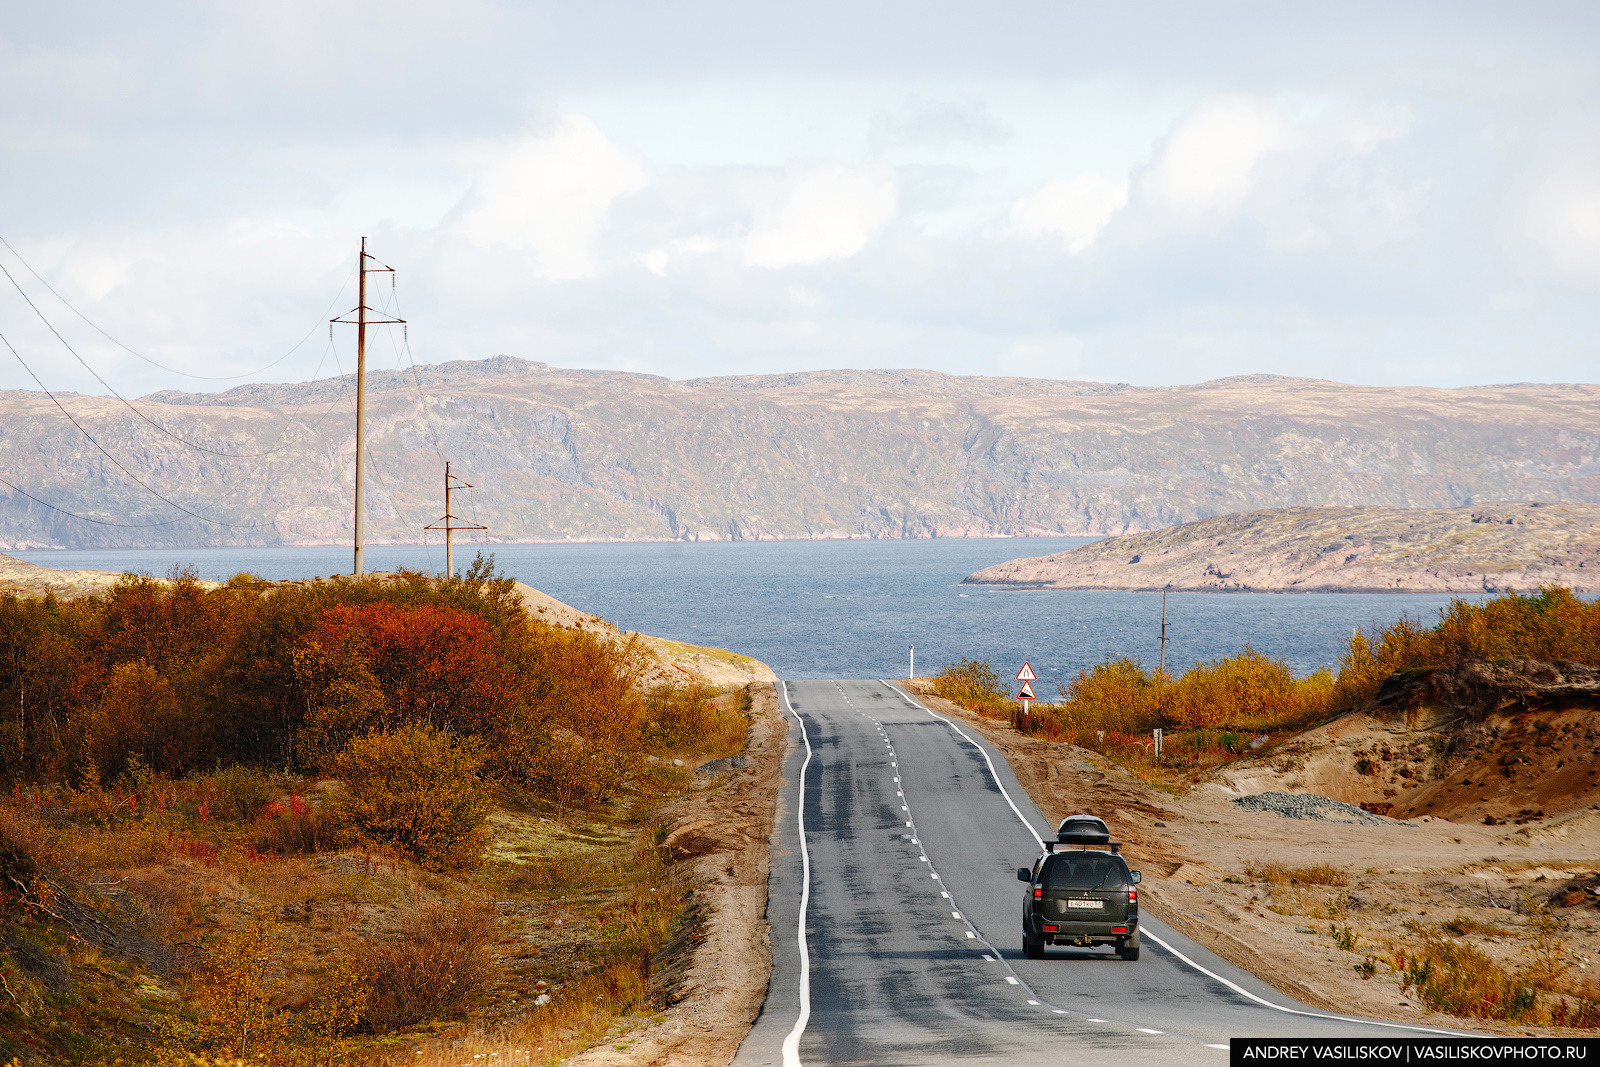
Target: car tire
{"points": [[1128, 952], [1031, 949]]}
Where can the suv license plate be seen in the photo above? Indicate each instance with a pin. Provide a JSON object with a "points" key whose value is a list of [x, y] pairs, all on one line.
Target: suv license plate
{"points": [[1083, 903]]}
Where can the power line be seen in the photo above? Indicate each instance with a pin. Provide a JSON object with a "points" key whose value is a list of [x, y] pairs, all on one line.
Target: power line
{"points": [[51, 327], [202, 377], [85, 518], [131, 476]]}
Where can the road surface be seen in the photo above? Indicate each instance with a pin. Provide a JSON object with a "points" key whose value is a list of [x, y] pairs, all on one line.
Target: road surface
{"points": [[910, 951]]}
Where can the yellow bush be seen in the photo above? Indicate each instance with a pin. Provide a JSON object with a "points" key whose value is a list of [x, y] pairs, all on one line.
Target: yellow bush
{"points": [[416, 789]]}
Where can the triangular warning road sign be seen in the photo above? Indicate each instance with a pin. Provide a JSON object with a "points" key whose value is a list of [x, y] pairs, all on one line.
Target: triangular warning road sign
{"points": [[1026, 674], [1027, 692]]}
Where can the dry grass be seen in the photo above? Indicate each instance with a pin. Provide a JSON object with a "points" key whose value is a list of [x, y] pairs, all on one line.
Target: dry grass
{"points": [[1276, 873]]}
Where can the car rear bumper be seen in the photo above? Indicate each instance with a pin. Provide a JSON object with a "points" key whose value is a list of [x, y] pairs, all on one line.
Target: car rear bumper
{"points": [[1077, 931]]}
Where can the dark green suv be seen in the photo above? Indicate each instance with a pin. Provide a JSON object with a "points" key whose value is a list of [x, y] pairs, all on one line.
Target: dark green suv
{"points": [[1080, 896]]}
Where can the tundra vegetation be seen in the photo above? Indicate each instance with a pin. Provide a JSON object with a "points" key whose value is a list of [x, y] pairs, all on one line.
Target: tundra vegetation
{"points": [[299, 822], [1216, 711]]}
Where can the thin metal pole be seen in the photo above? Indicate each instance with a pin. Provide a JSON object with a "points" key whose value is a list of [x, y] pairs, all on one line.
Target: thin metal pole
{"points": [[912, 669], [449, 528], [361, 404]]}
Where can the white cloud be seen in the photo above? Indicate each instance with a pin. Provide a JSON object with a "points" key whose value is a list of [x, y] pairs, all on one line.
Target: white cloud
{"points": [[1075, 210], [828, 213], [549, 194], [1556, 226], [1208, 163]]}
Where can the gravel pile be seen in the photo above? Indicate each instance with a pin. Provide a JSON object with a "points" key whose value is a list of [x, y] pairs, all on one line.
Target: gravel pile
{"points": [[721, 766], [1311, 806]]}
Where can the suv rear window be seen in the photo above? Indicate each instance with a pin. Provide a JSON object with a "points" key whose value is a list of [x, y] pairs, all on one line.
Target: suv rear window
{"points": [[1085, 872]]}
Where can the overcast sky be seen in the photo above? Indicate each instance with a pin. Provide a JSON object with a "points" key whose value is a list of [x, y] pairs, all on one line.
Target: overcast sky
{"points": [[1382, 193]]}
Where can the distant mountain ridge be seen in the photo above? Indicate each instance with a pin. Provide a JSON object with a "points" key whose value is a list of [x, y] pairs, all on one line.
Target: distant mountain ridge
{"points": [[601, 455]]}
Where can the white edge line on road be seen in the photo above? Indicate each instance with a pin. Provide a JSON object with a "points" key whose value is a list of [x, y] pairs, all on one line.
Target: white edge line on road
{"points": [[791, 1044], [1236, 987]]}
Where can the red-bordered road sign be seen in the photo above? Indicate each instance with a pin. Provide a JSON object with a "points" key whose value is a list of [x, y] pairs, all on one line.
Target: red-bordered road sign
{"points": [[1027, 692], [1026, 674]]}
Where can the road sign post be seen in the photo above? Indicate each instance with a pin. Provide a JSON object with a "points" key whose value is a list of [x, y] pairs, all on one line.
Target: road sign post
{"points": [[1025, 694]]}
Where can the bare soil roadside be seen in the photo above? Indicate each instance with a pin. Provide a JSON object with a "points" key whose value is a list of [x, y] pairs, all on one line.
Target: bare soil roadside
{"points": [[1194, 851], [723, 834]]}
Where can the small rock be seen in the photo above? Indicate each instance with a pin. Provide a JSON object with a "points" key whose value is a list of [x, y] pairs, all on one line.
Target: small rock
{"points": [[1304, 930], [541, 1000], [677, 763], [1161, 824]]}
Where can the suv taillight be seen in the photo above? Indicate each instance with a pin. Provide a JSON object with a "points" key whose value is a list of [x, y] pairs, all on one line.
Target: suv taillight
{"points": [[1133, 896], [1038, 892]]}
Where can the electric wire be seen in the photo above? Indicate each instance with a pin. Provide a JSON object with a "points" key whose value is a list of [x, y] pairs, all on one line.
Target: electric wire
{"points": [[202, 377], [131, 476], [73, 514], [125, 403]]}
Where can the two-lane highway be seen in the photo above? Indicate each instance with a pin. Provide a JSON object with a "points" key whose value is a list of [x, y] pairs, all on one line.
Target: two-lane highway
{"points": [[895, 914]]}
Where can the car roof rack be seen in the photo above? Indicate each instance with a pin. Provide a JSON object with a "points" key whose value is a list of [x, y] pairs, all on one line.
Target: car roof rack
{"points": [[1114, 846]]}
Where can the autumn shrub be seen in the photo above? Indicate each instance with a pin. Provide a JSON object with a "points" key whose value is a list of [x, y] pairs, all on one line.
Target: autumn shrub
{"points": [[1458, 979], [438, 962], [415, 789], [675, 716], [234, 988], [297, 824], [973, 684], [1552, 624]]}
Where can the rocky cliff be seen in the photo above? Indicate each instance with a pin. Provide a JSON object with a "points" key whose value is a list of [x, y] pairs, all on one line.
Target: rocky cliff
{"points": [[564, 454], [1484, 548]]}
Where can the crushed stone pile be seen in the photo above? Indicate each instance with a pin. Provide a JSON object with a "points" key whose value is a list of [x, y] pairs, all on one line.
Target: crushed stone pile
{"points": [[1311, 806]]}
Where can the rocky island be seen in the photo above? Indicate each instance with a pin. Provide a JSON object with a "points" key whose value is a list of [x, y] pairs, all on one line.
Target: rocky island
{"points": [[1482, 548]]}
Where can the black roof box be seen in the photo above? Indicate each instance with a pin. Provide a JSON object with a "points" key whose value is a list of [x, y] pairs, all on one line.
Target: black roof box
{"points": [[1083, 830]]}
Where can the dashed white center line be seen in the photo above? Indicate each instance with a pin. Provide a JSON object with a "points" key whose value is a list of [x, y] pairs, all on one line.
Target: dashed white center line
{"points": [[1146, 1030], [1210, 1045], [1035, 1003], [1095, 1020], [1059, 1011], [988, 957], [971, 934], [1012, 981], [945, 895], [955, 915]]}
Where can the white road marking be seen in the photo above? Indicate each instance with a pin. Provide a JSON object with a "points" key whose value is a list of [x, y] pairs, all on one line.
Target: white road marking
{"points": [[945, 895], [955, 914], [1210, 1045], [791, 1044], [1060, 1011], [1180, 956], [1147, 1030], [971, 934], [988, 957], [1012, 980], [1035, 1003], [924, 859]]}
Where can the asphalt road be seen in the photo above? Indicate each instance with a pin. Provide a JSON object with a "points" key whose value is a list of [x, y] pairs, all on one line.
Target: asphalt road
{"points": [[911, 950]]}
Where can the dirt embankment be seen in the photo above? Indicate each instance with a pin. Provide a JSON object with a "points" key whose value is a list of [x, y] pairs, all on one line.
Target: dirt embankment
{"points": [[1444, 865], [1483, 548], [723, 835]]}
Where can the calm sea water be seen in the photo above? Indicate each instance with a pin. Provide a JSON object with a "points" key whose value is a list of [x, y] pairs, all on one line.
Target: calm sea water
{"points": [[850, 609]]}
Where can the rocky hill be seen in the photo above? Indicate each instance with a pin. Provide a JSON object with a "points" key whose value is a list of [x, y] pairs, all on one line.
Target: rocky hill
{"points": [[1485, 548], [591, 455]]}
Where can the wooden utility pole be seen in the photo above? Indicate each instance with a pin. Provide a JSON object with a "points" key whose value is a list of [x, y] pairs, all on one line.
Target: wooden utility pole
{"points": [[449, 522], [361, 321], [1162, 670]]}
